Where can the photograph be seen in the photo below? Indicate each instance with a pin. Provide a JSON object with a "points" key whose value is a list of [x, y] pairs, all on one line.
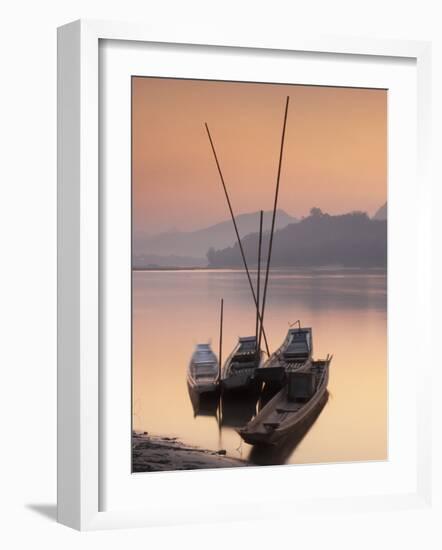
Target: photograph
{"points": [[259, 274]]}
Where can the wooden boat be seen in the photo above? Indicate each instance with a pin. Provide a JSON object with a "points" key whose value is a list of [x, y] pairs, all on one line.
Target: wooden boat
{"points": [[268, 455], [203, 371], [292, 405], [293, 354], [238, 373]]}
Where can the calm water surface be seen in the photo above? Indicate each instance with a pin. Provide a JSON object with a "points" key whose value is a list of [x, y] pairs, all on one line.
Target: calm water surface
{"points": [[175, 310]]}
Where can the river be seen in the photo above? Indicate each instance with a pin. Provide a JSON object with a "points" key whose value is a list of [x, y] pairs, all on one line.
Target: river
{"points": [[347, 310]]}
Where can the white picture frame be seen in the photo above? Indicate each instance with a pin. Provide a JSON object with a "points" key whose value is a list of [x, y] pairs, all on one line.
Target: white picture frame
{"points": [[79, 275]]}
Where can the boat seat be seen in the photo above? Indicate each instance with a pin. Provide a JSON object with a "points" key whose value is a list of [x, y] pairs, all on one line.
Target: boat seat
{"points": [[287, 410], [291, 357], [297, 348]]}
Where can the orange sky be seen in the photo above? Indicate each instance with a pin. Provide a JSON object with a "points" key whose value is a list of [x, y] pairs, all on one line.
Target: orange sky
{"points": [[335, 150]]}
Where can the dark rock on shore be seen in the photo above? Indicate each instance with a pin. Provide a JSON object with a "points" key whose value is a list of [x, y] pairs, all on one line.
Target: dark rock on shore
{"points": [[156, 454]]}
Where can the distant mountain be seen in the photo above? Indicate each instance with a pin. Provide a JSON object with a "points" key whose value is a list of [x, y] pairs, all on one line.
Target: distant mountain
{"points": [[349, 240], [381, 214], [195, 244]]}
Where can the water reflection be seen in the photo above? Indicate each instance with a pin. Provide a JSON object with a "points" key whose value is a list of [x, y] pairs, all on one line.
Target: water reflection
{"points": [[173, 311], [237, 410], [232, 410], [205, 404]]}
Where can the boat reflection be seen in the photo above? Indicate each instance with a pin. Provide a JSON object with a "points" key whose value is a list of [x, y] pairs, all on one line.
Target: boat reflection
{"points": [[237, 410], [232, 411], [204, 404]]}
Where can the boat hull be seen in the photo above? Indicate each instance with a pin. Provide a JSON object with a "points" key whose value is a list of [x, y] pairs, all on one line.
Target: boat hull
{"points": [[277, 436], [203, 372], [275, 421]]}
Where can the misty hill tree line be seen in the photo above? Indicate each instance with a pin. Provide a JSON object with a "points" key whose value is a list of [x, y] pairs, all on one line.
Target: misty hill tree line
{"points": [[196, 243], [349, 240]]}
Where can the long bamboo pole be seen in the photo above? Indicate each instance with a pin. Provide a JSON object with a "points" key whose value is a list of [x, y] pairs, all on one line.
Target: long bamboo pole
{"points": [[272, 229], [220, 385], [258, 282], [221, 340], [262, 332]]}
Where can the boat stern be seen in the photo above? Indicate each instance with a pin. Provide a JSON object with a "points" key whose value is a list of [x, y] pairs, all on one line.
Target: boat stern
{"points": [[257, 437]]}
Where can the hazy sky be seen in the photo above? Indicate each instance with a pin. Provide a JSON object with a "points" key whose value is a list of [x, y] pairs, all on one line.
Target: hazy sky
{"points": [[335, 150]]}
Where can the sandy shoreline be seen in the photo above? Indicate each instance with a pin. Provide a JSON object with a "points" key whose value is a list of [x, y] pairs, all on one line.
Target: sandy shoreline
{"points": [[155, 454]]}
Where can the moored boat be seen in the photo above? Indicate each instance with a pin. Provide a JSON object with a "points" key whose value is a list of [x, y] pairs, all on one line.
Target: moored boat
{"points": [[294, 353], [293, 404], [238, 373], [203, 371]]}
